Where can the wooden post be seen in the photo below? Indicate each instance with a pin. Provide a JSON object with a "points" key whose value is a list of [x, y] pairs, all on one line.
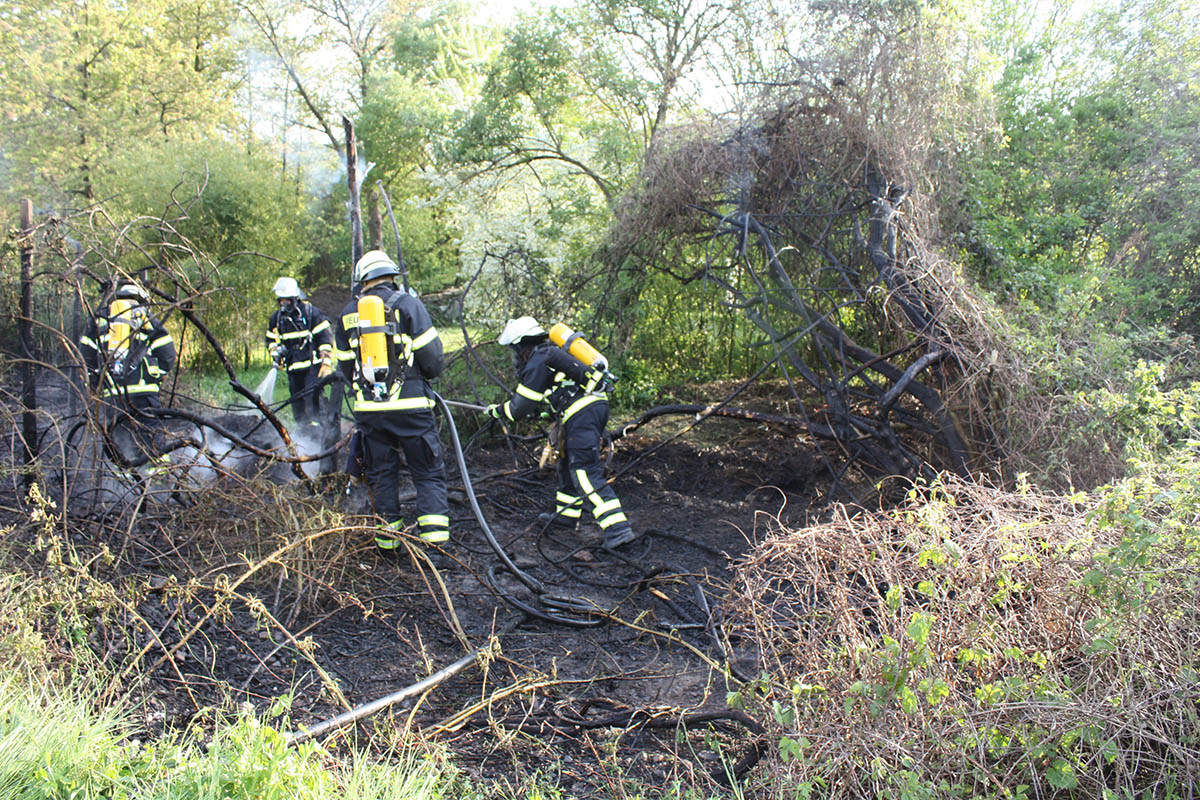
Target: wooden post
{"points": [[374, 220], [356, 231], [25, 327]]}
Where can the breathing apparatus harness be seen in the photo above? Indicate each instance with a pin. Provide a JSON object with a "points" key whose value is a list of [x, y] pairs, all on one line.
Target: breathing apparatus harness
{"points": [[126, 344], [294, 314], [380, 370]]}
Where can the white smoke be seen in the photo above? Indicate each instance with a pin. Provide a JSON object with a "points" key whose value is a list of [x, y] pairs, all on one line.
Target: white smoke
{"points": [[309, 440]]}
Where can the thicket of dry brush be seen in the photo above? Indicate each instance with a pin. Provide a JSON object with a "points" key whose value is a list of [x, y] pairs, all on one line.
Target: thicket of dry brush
{"points": [[973, 641]]}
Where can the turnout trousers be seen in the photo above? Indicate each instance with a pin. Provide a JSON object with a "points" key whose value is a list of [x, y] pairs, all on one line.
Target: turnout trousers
{"points": [[306, 400], [581, 474], [387, 436]]}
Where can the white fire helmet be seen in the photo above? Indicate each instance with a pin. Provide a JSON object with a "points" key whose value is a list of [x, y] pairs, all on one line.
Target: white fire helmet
{"points": [[132, 291], [518, 329], [374, 264], [286, 287]]}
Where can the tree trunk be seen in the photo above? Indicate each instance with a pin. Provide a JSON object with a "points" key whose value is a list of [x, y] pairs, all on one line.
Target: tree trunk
{"points": [[356, 232], [25, 327], [374, 220]]}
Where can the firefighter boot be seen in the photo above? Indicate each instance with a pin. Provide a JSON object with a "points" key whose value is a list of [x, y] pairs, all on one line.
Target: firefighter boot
{"points": [[619, 534], [555, 520]]}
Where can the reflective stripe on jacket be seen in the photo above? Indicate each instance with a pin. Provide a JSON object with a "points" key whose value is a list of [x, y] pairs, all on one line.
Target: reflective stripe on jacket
{"points": [[553, 376], [135, 367], [418, 350]]}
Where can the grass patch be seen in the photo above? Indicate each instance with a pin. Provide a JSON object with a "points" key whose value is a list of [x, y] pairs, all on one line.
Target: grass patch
{"points": [[54, 744]]}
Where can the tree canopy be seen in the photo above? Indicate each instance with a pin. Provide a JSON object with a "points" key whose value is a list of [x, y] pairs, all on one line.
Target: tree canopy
{"points": [[590, 160]]}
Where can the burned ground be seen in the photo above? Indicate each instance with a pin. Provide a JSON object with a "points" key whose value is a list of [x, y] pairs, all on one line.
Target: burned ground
{"points": [[246, 588]]}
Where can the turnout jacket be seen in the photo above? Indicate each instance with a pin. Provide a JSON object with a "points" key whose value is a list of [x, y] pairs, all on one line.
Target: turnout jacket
{"points": [[552, 375], [131, 371], [417, 347], [304, 331]]}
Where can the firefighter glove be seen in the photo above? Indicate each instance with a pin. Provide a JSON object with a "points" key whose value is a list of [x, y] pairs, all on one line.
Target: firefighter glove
{"points": [[277, 354], [493, 411], [326, 365]]}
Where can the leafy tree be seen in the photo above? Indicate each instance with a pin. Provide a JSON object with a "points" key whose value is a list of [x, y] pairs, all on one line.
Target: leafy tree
{"points": [[1086, 198], [589, 87], [225, 203], [80, 81]]}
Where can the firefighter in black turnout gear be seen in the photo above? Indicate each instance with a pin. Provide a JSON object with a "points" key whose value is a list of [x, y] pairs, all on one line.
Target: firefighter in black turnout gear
{"points": [[127, 353], [389, 350], [548, 374], [300, 341]]}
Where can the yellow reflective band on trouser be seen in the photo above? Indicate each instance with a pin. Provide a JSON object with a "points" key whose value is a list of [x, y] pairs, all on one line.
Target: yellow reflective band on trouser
{"points": [[137, 388], [568, 505], [434, 527], [386, 539], [399, 404], [579, 405], [299, 365], [425, 338], [606, 512], [612, 519], [608, 507]]}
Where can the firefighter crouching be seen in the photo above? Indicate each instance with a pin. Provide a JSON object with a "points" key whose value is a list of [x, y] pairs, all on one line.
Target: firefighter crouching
{"points": [[127, 353], [549, 374], [389, 350], [300, 341]]}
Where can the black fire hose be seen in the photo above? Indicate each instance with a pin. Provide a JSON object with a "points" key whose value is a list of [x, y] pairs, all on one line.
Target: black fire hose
{"points": [[590, 611]]}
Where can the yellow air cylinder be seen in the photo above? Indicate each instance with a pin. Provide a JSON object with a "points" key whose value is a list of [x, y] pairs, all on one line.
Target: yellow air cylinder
{"points": [[579, 349], [372, 347], [118, 327]]}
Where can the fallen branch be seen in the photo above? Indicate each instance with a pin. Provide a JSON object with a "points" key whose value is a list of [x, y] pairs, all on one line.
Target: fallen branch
{"points": [[420, 687]]}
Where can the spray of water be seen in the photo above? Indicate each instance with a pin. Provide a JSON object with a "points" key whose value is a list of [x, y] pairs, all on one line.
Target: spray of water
{"points": [[266, 389]]}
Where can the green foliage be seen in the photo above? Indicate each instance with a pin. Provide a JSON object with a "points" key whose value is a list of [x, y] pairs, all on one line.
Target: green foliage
{"points": [[80, 82], [53, 745], [944, 672], [241, 215], [1083, 193], [688, 337], [1143, 414]]}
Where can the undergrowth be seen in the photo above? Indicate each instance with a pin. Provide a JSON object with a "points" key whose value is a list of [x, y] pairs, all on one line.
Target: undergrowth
{"points": [[975, 642], [55, 744]]}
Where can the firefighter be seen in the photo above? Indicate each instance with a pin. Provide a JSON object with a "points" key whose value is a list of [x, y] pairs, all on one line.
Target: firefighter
{"points": [[300, 338], [549, 375], [127, 352], [389, 350]]}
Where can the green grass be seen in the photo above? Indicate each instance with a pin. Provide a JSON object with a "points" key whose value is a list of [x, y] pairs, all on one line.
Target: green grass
{"points": [[53, 745], [212, 387]]}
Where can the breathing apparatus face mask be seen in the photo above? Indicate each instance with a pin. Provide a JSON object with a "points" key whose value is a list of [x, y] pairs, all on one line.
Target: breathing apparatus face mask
{"points": [[520, 355], [287, 305]]}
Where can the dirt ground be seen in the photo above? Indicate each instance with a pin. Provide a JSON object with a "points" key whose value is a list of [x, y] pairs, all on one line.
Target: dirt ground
{"points": [[586, 702]]}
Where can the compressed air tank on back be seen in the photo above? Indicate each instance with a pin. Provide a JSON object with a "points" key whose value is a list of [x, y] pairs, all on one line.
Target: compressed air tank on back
{"points": [[372, 347], [118, 325], [582, 352]]}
